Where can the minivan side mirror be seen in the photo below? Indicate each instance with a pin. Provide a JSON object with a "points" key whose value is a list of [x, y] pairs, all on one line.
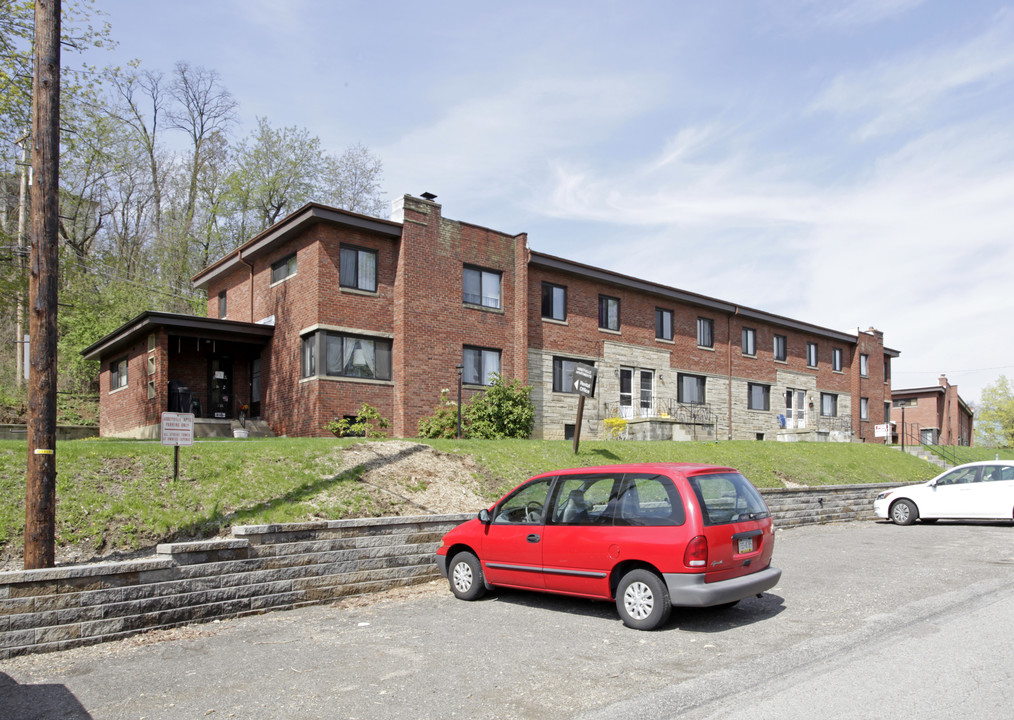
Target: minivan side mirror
{"points": [[484, 516]]}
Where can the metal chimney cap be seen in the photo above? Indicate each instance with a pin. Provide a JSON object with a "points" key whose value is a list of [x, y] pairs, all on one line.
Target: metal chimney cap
{"points": [[429, 196]]}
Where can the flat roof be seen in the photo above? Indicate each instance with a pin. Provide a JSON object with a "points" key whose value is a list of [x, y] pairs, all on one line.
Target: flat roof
{"points": [[191, 325]]}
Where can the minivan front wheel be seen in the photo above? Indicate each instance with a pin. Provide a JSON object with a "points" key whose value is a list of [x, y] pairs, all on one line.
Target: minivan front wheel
{"points": [[465, 577], [642, 600]]}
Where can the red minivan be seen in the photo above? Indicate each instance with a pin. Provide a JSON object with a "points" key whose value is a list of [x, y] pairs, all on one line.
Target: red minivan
{"points": [[648, 536]]}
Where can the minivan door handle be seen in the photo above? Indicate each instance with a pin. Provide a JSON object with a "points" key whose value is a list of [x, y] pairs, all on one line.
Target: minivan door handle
{"points": [[533, 538]]}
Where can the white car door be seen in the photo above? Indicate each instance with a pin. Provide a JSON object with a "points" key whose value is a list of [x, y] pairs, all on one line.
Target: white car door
{"points": [[996, 495], [953, 495]]}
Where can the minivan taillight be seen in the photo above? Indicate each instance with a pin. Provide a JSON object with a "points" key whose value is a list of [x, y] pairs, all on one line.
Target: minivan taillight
{"points": [[696, 555]]}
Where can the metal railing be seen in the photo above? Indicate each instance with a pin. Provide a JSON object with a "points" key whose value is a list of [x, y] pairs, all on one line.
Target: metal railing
{"points": [[665, 408]]}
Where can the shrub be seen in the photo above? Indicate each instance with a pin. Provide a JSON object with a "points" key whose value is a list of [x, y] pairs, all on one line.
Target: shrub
{"points": [[505, 410], [443, 423], [368, 423]]}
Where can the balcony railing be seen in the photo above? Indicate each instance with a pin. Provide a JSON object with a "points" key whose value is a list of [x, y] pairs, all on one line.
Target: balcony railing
{"points": [[664, 408]]}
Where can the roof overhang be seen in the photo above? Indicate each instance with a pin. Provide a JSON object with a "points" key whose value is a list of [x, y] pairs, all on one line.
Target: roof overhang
{"points": [[176, 324], [683, 296], [307, 216]]}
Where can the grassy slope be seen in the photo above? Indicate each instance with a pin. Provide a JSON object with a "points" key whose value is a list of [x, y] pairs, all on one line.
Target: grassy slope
{"points": [[119, 495]]}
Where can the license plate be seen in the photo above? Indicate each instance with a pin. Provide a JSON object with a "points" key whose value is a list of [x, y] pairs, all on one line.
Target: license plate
{"points": [[745, 545]]}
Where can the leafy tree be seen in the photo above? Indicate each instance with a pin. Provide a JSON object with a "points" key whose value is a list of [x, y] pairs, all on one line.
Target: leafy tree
{"points": [[995, 423], [505, 410]]}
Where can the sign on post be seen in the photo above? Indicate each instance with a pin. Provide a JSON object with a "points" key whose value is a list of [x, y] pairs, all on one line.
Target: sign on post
{"points": [[583, 385], [881, 430], [177, 429]]}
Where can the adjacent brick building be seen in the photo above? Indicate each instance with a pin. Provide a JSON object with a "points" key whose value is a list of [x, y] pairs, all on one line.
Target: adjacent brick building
{"points": [[329, 309], [934, 415]]}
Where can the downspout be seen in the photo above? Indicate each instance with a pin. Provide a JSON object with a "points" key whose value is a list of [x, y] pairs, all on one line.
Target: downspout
{"points": [[239, 254]]}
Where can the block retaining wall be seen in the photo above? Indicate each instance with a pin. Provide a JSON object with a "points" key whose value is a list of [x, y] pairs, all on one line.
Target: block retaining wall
{"points": [[274, 567]]}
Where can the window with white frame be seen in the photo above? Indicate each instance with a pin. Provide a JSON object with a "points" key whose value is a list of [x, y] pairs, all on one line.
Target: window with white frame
{"points": [[357, 268], [118, 374], [480, 364], [749, 341], [836, 359], [663, 324], [705, 332], [829, 405], [781, 347], [481, 287], [758, 396], [690, 389], [609, 313], [554, 301], [811, 354], [284, 268]]}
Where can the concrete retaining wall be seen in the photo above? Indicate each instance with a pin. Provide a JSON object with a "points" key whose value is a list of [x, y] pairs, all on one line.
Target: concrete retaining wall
{"points": [[271, 567]]}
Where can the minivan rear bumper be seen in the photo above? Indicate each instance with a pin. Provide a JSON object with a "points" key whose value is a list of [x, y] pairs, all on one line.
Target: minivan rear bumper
{"points": [[690, 590]]}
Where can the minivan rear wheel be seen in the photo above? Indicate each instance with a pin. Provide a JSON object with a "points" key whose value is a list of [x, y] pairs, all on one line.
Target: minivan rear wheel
{"points": [[642, 600], [465, 577]]}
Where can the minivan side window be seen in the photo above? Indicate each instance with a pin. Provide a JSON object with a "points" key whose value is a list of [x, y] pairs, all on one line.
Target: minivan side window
{"points": [[585, 499], [649, 500], [727, 498], [525, 507]]}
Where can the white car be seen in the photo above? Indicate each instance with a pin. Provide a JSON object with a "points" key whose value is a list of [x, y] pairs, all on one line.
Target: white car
{"points": [[975, 491]]}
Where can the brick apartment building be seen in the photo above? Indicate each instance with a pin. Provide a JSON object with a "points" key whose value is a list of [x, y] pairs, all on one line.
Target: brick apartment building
{"points": [[328, 309], [934, 415]]}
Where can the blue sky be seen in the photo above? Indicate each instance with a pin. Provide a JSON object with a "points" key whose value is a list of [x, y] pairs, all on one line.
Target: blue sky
{"points": [[844, 162]]}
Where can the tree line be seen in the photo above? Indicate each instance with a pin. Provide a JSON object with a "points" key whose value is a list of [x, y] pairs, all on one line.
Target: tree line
{"points": [[155, 184]]}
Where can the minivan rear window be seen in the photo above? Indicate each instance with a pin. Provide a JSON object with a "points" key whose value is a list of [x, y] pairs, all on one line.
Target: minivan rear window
{"points": [[727, 498]]}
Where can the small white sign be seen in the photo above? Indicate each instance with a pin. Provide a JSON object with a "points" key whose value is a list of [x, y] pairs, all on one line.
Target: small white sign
{"points": [[177, 428], [881, 430]]}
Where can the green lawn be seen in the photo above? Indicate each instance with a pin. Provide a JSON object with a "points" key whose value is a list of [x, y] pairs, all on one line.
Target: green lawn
{"points": [[119, 495]]}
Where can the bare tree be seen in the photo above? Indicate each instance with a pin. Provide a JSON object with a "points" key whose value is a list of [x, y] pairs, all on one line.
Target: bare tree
{"points": [[352, 181]]}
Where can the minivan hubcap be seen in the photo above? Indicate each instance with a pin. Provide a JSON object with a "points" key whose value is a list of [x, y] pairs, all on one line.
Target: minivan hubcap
{"points": [[462, 577], [638, 600]]}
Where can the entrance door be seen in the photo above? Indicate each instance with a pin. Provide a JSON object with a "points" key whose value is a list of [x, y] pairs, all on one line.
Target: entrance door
{"points": [[220, 400], [795, 409]]}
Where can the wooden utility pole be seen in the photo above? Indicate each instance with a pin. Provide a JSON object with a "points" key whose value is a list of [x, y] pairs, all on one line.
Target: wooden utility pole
{"points": [[40, 504]]}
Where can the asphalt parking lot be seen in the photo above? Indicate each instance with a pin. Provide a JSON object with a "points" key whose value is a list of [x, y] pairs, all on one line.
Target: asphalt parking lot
{"points": [[869, 618]]}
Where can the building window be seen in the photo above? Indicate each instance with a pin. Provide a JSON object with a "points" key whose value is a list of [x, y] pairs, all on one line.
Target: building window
{"points": [[480, 364], [836, 359], [281, 269], [563, 374], [358, 357], [663, 324], [118, 374], [481, 287], [864, 408], [705, 332], [151, 364], [151, 342], [829, 405], [151, 389], [864, 365], [758, 396], [907, 402], [357, 268], [554, 301], [690, 389], [309, 355], [811, 354], [222, 305], [749, 341], [781, 347], [609, 313]]}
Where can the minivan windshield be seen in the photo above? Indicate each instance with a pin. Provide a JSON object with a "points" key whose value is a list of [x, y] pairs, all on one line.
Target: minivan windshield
{"points": [[727, 498]]}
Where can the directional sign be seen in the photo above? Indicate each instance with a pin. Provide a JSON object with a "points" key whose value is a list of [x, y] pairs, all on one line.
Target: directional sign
{"points": [[584, 379]]}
